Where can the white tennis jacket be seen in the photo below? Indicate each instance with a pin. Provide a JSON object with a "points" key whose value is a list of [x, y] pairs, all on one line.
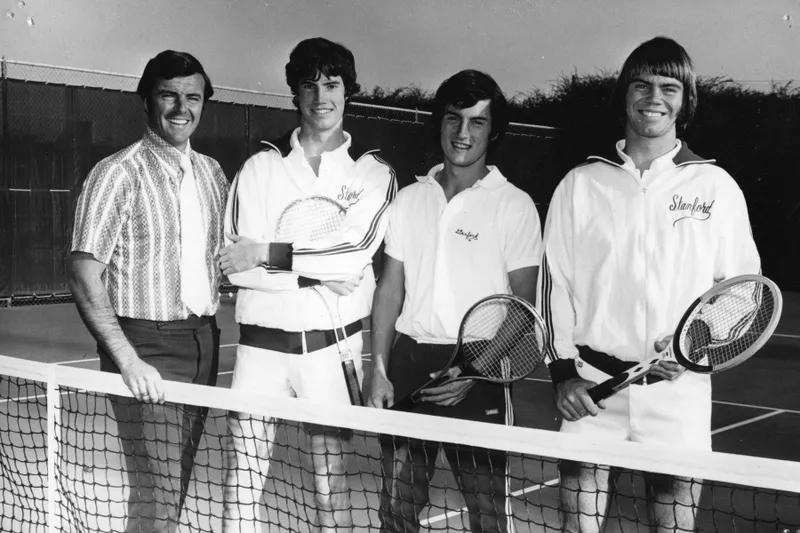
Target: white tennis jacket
{"points": [[271, 179], [625, 254]]}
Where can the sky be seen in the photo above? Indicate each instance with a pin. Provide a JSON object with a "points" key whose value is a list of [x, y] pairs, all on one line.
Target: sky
{"points": [[523, 44]]}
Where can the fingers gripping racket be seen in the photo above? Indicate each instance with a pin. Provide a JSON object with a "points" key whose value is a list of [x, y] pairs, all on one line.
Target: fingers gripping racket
{"points": [[721, 329], [501, 339], [312, 219]]}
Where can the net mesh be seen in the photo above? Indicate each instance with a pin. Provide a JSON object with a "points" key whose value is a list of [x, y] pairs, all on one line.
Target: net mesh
{"points": [[59, 444]]}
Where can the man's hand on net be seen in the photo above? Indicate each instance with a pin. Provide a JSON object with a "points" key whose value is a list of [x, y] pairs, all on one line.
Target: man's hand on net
{"points": [[666, 369], [144, 381], [343, 288], [244, 254], [449, 393], [381, 393], [573, 400]]}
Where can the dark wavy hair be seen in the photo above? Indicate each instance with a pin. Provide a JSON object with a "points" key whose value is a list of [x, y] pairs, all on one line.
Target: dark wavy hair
{"points": [[170, 64], [465, 89], [314, 57], [661, 56]]}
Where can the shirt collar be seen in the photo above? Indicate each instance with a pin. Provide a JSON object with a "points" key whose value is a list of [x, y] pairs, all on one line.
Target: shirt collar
{"points": [[338, 153], [660, 163], [493, 180], [168, 154]]}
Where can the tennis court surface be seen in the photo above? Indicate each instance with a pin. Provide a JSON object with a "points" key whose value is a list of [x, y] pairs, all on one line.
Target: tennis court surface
{"points": [[61, 464]]}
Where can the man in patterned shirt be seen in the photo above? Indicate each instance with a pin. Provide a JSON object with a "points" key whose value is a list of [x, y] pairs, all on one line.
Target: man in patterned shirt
{"points": [[148, 227]]}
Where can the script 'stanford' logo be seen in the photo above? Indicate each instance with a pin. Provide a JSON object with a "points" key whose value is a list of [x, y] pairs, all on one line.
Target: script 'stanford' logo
{"points": [[350, 195], [467, 235], [692, 210]]}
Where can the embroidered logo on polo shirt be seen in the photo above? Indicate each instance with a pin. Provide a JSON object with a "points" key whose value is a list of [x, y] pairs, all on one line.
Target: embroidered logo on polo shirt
{"points": [[692, 210], [467, 235]]}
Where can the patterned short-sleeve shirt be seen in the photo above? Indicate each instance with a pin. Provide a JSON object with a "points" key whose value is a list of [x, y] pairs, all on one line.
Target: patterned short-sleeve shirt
{"points": [[128, 217]]}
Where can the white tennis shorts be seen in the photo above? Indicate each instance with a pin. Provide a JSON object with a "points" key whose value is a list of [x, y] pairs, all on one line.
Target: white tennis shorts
{"points": [[676, 413], [315, 376]]}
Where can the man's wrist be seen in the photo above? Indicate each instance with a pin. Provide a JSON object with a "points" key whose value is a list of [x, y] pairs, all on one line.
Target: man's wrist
{"points": [[378, 369], [263, 254], [126, 357]]}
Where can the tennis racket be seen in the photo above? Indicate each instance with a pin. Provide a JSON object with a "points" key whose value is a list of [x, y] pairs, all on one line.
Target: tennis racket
{"points": [[722, 328], [314, 218], [501, 339]]}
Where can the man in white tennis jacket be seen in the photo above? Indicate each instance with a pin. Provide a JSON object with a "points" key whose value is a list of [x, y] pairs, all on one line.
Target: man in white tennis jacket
{"points": [[632, 237], [288, 342]]}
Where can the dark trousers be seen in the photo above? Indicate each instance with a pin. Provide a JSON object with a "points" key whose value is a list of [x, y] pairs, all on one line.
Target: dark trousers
{"points": [[408, 465], [160, 441]]}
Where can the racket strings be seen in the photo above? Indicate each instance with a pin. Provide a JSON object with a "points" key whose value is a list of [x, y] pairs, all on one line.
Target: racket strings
{"points": [[730, 325], [502, 339], [309, 219]]}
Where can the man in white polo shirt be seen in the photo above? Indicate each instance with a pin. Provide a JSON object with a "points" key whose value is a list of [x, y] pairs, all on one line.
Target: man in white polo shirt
{"points": [[459, 234]]}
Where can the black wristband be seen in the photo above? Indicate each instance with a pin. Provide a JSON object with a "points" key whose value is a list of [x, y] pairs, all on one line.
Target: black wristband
{"points": [[562, 370], [280, 255]]}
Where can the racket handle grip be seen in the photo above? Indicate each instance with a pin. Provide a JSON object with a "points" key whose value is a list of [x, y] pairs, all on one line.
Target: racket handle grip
{"points": [[600, 392], [353, 387], [606, 389]]}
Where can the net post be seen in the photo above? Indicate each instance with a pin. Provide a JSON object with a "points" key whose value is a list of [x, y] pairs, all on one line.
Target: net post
{"points": [[53, 407]]}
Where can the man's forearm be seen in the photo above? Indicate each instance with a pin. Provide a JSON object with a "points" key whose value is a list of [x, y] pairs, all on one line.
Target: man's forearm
{"points": [[386, 310], [94, 306]]}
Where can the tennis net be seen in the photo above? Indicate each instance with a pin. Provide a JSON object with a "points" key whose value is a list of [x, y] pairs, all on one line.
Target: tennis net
{"points": [[62, 468]]}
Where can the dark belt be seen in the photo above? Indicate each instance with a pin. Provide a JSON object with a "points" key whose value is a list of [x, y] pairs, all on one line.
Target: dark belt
{"points": [[278, 340], [192, 322], [613, 366]]}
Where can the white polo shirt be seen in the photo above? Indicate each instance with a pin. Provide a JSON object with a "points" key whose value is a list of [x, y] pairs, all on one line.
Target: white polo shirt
{"points": [[455, 253]]}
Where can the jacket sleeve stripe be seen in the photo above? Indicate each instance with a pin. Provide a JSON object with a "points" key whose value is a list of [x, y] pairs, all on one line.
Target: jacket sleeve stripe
{"points": [[547, 287]]}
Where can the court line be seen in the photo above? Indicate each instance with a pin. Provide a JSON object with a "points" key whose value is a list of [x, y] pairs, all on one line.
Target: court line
{"points": [[748, 421], [792, 411], [452, 514]]}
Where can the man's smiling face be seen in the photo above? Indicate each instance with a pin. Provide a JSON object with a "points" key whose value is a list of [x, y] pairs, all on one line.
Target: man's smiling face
{"points": [[465, 134], [175, 107], [652, 105]]}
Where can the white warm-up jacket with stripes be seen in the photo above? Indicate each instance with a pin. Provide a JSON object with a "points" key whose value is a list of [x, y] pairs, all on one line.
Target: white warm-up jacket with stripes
{"points": [[625, 254], [268, 181]]}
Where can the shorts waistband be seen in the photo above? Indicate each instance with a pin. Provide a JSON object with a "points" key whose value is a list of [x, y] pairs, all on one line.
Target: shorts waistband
{"points": [[278, 340], [434, 344], [192, 322]]}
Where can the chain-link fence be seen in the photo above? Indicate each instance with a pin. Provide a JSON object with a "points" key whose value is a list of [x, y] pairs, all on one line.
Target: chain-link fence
{"points": [[57, 123]]}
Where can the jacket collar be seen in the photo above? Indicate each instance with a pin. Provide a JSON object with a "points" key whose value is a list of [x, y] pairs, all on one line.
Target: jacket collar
{"points": [[684, 156], [289, 142]]}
